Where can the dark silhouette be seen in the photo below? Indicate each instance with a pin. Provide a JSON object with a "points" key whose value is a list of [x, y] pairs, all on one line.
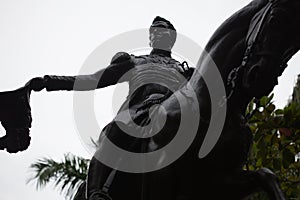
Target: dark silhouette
{"points": [[15, 117], [251, 50]]}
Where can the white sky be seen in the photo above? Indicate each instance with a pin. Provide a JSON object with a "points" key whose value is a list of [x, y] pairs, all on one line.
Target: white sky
{"points": [[55, 37]]}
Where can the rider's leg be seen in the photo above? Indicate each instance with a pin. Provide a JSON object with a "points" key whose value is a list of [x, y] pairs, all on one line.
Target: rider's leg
{"points": [[99, 174]]}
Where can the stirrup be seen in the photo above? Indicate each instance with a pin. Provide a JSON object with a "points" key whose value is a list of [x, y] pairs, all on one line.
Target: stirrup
{"points": [[100, 196]]}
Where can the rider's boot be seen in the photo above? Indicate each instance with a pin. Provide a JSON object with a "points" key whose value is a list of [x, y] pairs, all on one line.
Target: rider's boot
{"points": [[97, 176]]}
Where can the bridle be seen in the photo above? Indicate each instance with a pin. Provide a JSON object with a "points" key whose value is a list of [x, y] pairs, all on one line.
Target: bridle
{"points": [[251, 40]]}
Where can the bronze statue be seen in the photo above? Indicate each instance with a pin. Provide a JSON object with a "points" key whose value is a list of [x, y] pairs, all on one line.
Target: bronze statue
{"points": [[15, 117], [251, 50]]}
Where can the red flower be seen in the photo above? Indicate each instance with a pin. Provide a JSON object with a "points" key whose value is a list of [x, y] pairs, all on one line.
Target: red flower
{"points": [[285, 131]]}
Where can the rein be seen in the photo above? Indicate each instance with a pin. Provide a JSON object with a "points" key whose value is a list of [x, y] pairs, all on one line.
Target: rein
{"points": [[251, 39]]}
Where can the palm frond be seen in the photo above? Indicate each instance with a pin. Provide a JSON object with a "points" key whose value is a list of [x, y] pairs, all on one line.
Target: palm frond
{"points": [[66, 175]]}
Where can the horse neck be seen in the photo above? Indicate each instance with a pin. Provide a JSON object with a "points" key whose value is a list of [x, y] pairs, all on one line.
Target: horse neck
{"points": [[226, 49], [225, 54]]}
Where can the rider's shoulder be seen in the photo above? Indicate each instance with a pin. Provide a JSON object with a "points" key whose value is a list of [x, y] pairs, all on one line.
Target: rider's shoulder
{"points": [[140, 59], [120, 57]]}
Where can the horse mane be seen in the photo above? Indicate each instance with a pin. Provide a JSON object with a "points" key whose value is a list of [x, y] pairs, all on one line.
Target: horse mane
{"points": [[227, 45], [238, 19]]}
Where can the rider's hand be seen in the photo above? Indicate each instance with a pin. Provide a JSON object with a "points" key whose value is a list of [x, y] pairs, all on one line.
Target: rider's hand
{"points": [[36, 84]]}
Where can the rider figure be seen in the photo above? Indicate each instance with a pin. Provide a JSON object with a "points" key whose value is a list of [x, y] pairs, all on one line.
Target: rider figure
{"points": [[152, 78]]}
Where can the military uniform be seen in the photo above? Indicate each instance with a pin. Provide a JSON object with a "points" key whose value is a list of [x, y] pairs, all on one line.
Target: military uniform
{"points": [[152, 79]]}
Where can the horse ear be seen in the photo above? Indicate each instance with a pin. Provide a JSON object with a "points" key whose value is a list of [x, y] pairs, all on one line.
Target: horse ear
{"points": [[251, 77]]}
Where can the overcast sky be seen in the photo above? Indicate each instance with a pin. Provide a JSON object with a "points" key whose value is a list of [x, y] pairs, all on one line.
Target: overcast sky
{"points": [[55, 37]]}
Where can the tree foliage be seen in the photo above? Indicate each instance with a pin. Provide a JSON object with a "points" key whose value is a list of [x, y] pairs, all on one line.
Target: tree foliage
{"points": [[276, 142], [66, 175]]}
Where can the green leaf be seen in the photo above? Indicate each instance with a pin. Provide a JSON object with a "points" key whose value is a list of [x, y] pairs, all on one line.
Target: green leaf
{"points": [[264, 101], [274, 139], [279, 112], [270, 108], [276, 164], [287, 158], [67, 175]]}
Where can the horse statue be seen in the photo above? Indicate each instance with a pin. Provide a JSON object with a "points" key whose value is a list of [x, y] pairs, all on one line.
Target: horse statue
{"points": [[250, 50]]}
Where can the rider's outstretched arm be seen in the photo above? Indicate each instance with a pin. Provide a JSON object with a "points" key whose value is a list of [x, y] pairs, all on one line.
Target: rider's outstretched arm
{"points": [[120, 64]]}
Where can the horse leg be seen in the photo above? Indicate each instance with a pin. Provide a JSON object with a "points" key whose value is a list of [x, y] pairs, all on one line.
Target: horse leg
{"points": [[232, 185], [242, 183], [269, 183]]}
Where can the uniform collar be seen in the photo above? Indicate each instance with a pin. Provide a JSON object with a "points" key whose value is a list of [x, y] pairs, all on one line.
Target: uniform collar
{"points": [[160, 52]]}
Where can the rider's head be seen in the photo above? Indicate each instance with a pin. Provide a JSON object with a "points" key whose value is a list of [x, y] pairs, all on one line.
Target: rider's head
{"points": [[162, 34]]}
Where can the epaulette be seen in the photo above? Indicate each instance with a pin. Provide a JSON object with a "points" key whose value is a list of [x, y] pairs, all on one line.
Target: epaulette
{"points": [[120, 57]]}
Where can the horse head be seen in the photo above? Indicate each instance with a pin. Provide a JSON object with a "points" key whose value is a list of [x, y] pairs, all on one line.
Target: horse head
{"points": [[271, 41]]}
